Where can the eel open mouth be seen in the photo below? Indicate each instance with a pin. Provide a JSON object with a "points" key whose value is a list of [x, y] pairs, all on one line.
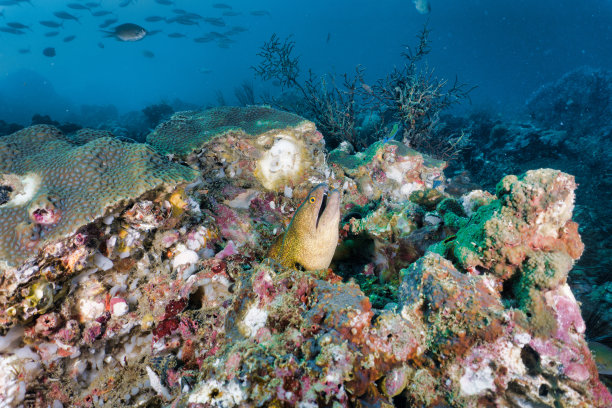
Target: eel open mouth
{"points": [[322, 207]]}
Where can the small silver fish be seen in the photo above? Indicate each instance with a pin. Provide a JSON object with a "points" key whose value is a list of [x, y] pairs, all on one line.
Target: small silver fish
{"points": [[18, 26], [154, 19], [77, 6], [49, 52], [65, 16], [128, 32], [108, 22], [51, 24], [101, 13]]}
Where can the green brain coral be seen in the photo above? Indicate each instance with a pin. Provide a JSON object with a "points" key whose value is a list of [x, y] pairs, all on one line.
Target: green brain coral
{"points": [[53, 186]]}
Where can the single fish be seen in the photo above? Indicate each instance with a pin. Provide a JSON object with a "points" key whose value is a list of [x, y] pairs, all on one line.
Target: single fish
{"points": [[100, 45], [101, 13], [51, 24], [108, 22], [176, 35], [153, 32], [148, 54], [602, 355], [204, 39], [422, 6], [52, 34], [69, 38], [125, 3], [164, 2], [11, 30], [179, 11], [205, 70], [187, 22], [92, 4], [128, 32], [19, 26], [49, 52], [24, 51], [215, 21], [239, 29], [8, 2], [225, 43], [77, 6], [154, 19], [394, 131], [231, 13], [312, 235], [65, 16], [222, 6], [193, 16], [328, 38], [260, 13]]}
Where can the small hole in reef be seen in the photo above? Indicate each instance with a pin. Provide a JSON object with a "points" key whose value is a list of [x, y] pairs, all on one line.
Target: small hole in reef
{"points": [[195, 299], [531, 359], [5, 194], [507, 293], [544, 389], [400, 401], [350, 215]]}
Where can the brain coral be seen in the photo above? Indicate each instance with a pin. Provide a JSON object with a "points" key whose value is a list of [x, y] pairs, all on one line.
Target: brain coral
{"points": [[186, 131], [55, 186]]}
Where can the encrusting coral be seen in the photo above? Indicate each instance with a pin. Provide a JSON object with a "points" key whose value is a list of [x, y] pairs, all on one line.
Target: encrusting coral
{"points": [[57, 186], [173, 302]]}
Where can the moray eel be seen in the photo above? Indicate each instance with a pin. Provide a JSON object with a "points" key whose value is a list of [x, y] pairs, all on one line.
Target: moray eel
{"points": [[312, 235]]}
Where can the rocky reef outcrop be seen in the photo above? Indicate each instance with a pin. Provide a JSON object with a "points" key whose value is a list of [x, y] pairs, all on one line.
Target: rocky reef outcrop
{"points": [[163, 295], [569, 129]]}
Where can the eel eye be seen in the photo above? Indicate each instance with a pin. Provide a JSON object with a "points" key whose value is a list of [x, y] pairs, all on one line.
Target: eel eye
{"points": [[312, 199]]}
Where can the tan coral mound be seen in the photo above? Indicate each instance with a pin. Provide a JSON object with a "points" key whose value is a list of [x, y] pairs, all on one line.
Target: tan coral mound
{"points": [[186, 131], [257, 144], [56, 186]]}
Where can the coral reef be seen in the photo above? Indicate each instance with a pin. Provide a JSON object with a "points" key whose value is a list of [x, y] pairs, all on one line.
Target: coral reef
{"points": [[46, 120], [173, 302], [55, 187], [580, 102], [8, 128], [155, 114], [570, 130]]}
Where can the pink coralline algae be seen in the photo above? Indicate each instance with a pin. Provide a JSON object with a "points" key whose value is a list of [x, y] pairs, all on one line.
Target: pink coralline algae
{"points": [[169, 300]]}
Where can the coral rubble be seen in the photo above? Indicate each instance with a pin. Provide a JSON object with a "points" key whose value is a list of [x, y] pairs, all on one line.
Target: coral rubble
{"points": [[164, 296]]}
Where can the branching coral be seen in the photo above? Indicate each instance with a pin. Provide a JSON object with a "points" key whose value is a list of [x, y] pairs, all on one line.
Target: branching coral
{"points": [[411, 95]]}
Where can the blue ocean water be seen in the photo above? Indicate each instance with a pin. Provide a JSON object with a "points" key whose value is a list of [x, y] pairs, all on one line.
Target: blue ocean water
{"points": [[507, 48]]}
